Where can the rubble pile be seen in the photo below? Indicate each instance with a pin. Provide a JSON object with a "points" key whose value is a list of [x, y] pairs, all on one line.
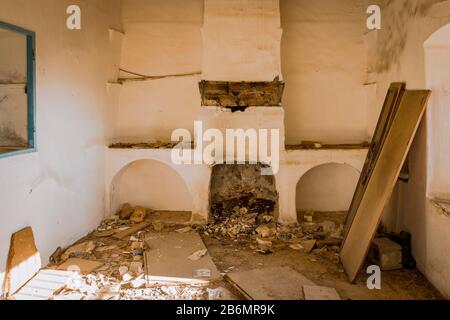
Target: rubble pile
{"points": [[116, 250], [121, 275], [239, 218], [257, 227]]}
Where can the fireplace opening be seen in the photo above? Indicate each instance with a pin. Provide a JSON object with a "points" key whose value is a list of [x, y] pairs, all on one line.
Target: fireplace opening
{"points": [[241, 199]]}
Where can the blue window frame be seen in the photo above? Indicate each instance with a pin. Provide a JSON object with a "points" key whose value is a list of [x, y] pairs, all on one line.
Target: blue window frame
{"points": [[30, 89]]}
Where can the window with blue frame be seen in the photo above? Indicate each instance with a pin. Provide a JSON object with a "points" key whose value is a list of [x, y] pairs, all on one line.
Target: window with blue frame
{"points": [[17, 90]]}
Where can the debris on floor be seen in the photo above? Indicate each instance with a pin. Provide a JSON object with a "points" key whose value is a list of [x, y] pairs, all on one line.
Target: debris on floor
{"points": [[157, 260], [262, 234], [108, 264], [320, 293], [279, 283], [174, 257]]}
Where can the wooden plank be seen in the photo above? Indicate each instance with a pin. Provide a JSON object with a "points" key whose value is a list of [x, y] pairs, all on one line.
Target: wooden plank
{"points": [[44, 285], [82, 265], [382, 180], [24, 260], [132, 230], [167, 259], [320, 293], [278, 283], [241, 94], [390, 107]]}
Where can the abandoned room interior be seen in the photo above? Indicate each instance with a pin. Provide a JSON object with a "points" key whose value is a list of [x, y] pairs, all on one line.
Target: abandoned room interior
{"points": [[224, 149]]}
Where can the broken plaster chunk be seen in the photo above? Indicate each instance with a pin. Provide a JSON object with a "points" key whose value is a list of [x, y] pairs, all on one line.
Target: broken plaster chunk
{"points": [[139, 282], [125, 211], [198, 255], [137, 245], [266, 231], [138, 215], [328, 227], [264, 246], [158, 226], [219, 294], [202, 273], [123, 270], [127, 277], [308, 245], [78, 249], [136, 267], [184, 230], [296, 246]]}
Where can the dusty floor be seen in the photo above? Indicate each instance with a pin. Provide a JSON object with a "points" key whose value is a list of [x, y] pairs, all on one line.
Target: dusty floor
{"points": [[119, 278]]}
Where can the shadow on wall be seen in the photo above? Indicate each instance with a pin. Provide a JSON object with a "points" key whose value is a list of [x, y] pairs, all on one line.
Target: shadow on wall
{"points": [[151, 184], [327, 188]]}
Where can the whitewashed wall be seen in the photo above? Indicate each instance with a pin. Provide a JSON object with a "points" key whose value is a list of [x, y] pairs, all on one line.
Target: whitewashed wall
{"points": [[400, 51], [59, 190]]}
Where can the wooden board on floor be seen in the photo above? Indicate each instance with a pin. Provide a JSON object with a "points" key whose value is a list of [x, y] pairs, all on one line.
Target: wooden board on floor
{"points": [[44, 285], [83, 266], [24, 260], [131, 230], [279, 283], [320, 293], [167, 259], [380, 184]]}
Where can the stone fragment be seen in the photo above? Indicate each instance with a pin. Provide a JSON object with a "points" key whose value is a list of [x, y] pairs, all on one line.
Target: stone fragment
{"points": [[158, 226], [264, 246], [139, 282], [266, 231], [328, 227], [308, 245], [56, 256], [202, 273], [387, 254], [78, 249], [184, 230], [125, 211], [123, 270], [127, 277], [136, 267], [138, 215], [296, 246], [198, 255], [137, 245]]}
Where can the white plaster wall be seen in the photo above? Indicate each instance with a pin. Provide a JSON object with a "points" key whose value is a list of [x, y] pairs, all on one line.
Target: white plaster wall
{"points": [[154, 185], [437, 62], [59, 190], [407, 24], [241, 40], [324, 63], [161, 38], [327, 188]]}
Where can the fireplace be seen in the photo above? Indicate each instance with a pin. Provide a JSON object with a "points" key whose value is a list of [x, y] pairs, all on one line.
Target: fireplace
{"points": [[241, 189]]}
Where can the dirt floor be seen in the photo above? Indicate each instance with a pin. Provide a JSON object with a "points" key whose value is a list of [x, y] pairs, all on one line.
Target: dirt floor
{"points": [[121, 275]]}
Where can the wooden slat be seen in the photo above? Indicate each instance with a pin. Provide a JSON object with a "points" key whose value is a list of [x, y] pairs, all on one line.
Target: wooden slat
{"points": [[382, 180], [388, 112]]}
